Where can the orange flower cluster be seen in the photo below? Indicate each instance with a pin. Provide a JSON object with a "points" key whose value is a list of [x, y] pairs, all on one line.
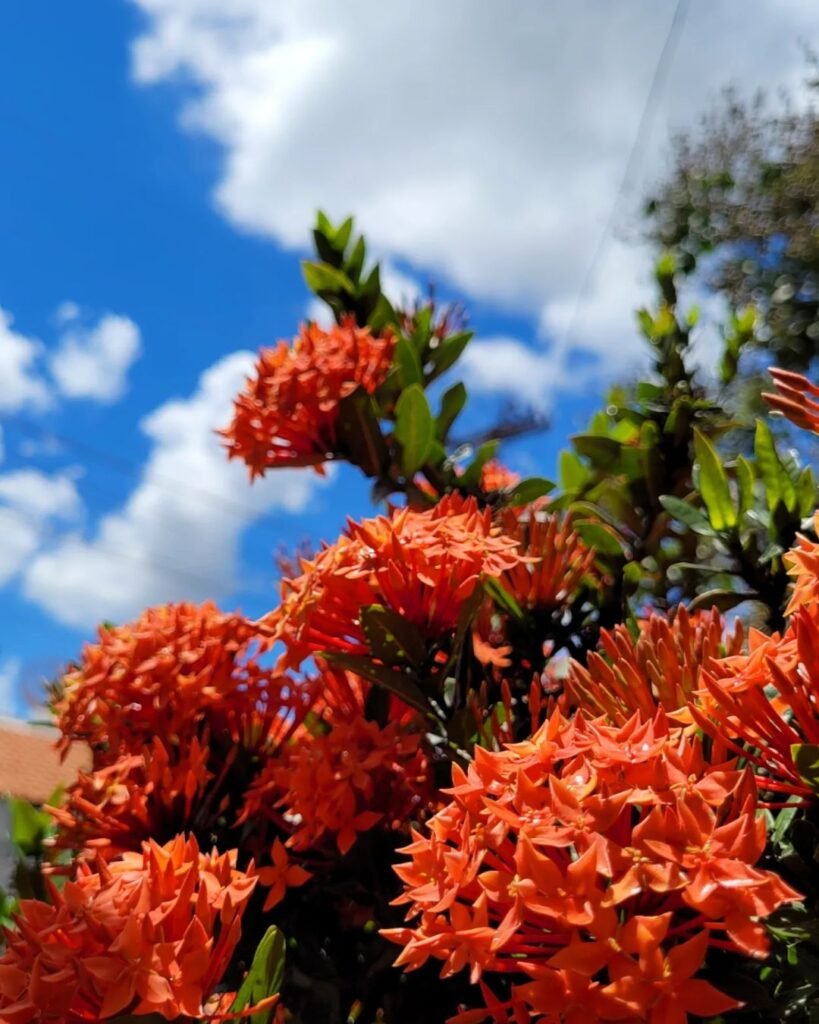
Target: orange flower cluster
{"points": [[174, 669], [591, 866], [174, 706], [340, 775], [765, 704], [796, 398], [150, 933], [660, 667], [555, 560], [139, 797], [343, 782], [287, 414], [422, 565]]}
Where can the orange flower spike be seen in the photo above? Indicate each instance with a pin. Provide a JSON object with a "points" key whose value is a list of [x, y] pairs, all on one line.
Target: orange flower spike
{"points": [[281, 876], [793, 399], [288, 412]]}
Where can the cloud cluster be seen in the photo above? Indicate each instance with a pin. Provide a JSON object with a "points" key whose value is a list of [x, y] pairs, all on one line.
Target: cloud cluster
{"points": [[177, 536], [480, 142], [93, 362], [31, 504]]}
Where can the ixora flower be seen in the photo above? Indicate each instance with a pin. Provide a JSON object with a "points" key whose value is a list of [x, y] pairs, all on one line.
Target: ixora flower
{"points": [[176, 668], [422, 565], [287, 414], [659, 667], [588, 869], [149, 933]]}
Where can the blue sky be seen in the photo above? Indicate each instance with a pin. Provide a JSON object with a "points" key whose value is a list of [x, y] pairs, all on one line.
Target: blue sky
{"points": [[160, 162]]}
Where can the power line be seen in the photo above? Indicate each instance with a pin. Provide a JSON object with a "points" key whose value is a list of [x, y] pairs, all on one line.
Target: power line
{"points": [[658, 80]]}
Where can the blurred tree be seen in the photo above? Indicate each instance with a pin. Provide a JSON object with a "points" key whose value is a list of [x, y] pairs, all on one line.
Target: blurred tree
{"points": [[739, 208]]}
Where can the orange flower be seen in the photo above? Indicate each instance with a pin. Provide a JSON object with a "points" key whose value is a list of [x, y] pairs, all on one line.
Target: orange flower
{"points": [[175, 669], [422, 565], [661, 667], [765, 703], [560, 843], [138, 797], [342, 782], [281, 875], [803, 565], [554, 564], [794, 400], [497, 477], [152, 932], [287, 414]]}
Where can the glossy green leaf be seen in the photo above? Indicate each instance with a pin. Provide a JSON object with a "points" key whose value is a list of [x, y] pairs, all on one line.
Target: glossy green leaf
{"points": [[452, 403], [449, 351], [414, 428], [778, 485], [29, 826], [690, 516], [571, 471], [713, 484], [472, 474], [806, 759], [265, 977], [321, 278], [724, 600], [745, 484], [501, 596], [601, 537], [391, 637], [359, 433], [409, 369], [806, 493], [529, 490], [602, 451], [401, 684]]}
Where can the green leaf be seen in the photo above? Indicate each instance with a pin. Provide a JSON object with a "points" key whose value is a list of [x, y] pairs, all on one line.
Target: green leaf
{"points": [[778, 485], [601, 537], [321, 278], [355, 264], [401, 684], [713, 484], [501, 596], [29, 826], [409, 369], [391, 637], [573, 474], [602, 451], [529, 490], [687, 514], [745, 484], [452, 402], [343, 234], [359, 433], [265, 976], [414, 428], [724, 600], [449, 351], [806, 493], [806, 759], [472, 474]]}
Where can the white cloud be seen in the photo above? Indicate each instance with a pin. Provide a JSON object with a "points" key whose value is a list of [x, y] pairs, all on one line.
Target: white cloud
{"points": [[29, 502], [9, 687], [482, 142], [66, 312], [178, 534], [21, 386], [94, 362]]}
